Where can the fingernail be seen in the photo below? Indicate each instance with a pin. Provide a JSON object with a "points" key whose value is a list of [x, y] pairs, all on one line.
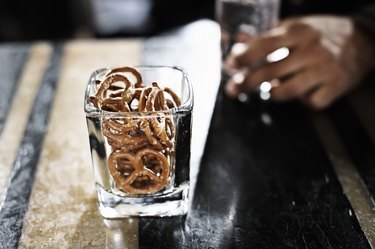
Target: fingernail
{"points": [[238, 48], [238, 78], [231, 90]]}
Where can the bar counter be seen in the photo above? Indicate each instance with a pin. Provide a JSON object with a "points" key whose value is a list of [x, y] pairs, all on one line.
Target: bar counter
{"points": [[263, 175]]}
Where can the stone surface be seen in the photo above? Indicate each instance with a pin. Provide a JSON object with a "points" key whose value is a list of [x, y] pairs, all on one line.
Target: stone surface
{"points": [[269, 176], [62, 209]]}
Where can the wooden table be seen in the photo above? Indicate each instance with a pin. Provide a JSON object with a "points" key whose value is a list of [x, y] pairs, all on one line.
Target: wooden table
{"points": [[263, 175]]}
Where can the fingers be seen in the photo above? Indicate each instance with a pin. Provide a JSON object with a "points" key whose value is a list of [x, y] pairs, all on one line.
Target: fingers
{"points": [[318, 67], [329, 91], [311, 72], [248, 58], [293, 36], [234, 85], [297, 86], [317, 87], [295, 62]]}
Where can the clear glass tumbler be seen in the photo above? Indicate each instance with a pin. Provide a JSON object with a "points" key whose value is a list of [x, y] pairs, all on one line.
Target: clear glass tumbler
{"points": [[240, 20], [141, 158]]}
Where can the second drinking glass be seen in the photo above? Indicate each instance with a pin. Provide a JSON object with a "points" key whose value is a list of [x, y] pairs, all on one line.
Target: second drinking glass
{"points": [[240, 20]]}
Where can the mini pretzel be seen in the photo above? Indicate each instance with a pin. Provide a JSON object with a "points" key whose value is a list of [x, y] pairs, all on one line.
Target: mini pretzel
{"points": [[121, 166], [160, 128], [125, 136], [111, 103], [114, 104], [143, 99], [176, 100], [151, 98], [130, 125], [145, 126], [161, 125], [146, 172], [134, 103], [136, 74]]}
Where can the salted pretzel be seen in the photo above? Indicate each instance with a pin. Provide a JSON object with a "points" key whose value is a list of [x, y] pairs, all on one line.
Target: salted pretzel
{"points": [[176, 100], [134, 72], [142, 140], [109, 102], [146, 172]]}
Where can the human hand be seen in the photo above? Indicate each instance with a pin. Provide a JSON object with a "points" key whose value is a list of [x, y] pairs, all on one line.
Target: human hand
{"points": [[327, 59]]}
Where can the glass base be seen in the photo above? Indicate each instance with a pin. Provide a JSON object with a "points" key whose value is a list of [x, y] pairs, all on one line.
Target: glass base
{"points": [[170, 204]]}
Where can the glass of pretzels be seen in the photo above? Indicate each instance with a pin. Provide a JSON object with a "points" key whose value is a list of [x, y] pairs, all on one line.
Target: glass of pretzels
{"points": [[139, 117]]}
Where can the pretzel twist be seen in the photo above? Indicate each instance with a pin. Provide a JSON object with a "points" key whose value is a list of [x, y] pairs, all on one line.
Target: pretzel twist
{"points": [[134, 72], [145, 172]]}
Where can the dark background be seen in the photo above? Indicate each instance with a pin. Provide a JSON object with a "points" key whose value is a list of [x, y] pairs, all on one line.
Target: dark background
{"points": [[22, 20]]}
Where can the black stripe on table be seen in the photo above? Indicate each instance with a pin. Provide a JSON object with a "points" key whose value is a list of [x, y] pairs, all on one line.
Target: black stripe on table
{"points": [[12, 61], [261, 185], [358, 143], [18, 191]]}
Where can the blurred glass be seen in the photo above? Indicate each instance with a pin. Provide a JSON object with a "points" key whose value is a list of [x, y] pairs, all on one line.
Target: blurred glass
{"points": [[241, 20]]}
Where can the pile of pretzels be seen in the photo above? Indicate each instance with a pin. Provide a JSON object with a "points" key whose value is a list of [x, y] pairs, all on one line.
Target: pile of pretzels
{"points": [[141, 132]]}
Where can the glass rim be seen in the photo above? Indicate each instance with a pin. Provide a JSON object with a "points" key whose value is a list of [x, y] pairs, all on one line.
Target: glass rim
{"points": [[187, 105]]}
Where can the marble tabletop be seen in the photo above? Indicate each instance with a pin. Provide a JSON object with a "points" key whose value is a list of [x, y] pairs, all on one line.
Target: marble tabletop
{"points": [[263, 175]]}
